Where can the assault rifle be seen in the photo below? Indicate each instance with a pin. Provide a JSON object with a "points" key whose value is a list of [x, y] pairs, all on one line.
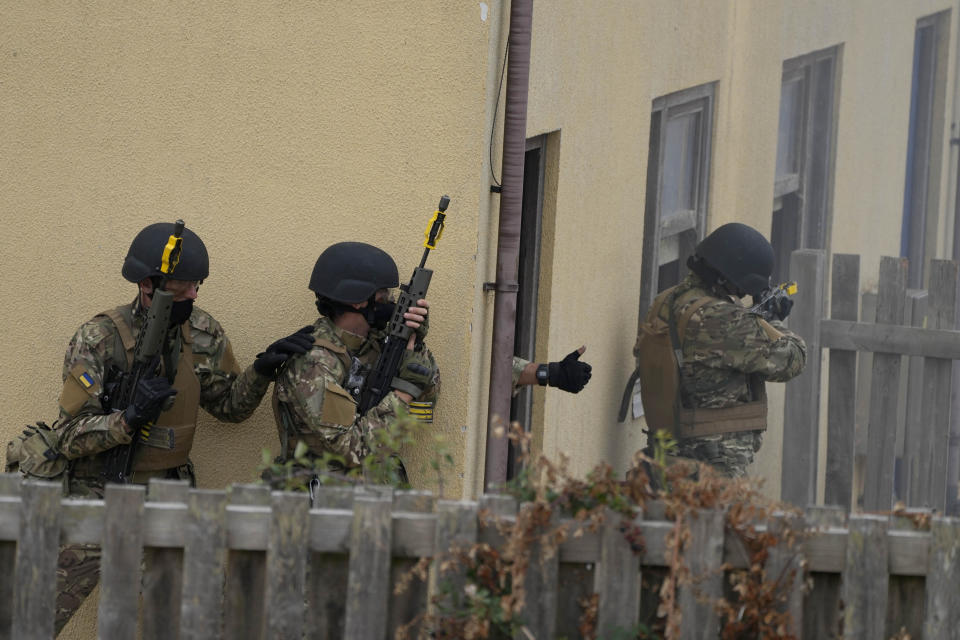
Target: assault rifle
{"points": [[770, 299], [380, 379], [146, 360]]}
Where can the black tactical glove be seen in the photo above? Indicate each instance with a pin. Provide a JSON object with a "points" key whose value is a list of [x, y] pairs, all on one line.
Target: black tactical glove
{"points": [[569, 374], [148, 401], [777, 308], [416, 373], [782, 308], [269, 362]]}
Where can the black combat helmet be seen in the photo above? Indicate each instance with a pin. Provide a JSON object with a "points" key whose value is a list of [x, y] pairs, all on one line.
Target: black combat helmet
{"points": [[741, 255], [351, 272], [146, 252]]}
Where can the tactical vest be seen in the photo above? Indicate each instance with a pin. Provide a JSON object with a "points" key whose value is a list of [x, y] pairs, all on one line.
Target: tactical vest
{"points": [[339, 407], [171, 437], [659, 351]]}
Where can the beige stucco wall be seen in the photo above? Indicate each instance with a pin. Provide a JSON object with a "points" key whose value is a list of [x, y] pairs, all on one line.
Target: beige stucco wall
{"points": [[277, 129]]}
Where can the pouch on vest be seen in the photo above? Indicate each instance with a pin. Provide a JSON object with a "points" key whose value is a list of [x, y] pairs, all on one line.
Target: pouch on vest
{"points": [[36, 454]]}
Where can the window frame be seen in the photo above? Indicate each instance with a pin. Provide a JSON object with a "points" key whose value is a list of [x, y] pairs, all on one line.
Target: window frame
{"points": [[688, 224]]}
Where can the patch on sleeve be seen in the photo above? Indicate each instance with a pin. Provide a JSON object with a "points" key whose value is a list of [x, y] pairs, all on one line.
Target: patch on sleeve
{"points": [[78, 388], [422, 411]]}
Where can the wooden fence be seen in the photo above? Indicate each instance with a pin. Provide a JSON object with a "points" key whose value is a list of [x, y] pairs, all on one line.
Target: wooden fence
{"points": [[245, 563], [888, 404]]}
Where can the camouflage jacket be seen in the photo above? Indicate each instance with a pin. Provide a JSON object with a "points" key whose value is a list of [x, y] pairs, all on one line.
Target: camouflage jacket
{"points": [[724, 346], [311, 392], [225, 392], [519, 364]]}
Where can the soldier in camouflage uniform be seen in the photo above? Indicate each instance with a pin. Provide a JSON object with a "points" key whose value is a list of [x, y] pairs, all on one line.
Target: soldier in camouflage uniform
{"points": [[315, 397], [728, 352], [198, 369]]}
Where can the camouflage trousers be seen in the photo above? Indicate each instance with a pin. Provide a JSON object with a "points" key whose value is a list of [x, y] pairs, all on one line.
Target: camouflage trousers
{"points": [[728, 453], [78, 572]]}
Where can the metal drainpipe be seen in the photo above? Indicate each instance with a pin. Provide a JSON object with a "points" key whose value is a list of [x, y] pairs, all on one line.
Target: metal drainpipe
{"points": [[508, 243]]}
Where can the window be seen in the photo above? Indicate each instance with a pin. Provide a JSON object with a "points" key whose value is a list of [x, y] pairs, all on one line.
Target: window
{"points": [[803, 184], [922, 183], [678, 160]]}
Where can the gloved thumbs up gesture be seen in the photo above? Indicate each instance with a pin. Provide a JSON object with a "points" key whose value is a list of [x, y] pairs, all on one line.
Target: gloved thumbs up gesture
{"points": [[570, 374]]}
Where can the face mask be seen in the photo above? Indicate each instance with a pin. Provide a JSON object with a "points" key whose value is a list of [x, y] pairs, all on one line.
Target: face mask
{"points": [[180, 312], [381, 314]]}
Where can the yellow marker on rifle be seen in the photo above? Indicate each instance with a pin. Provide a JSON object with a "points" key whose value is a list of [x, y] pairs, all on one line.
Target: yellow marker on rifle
{"points": [[435, 226]]}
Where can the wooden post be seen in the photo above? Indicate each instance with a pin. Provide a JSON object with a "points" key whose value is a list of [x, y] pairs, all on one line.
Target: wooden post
{"points": [[882, 427], [942, 618], [937, 382], [785, 564], [617, 579], [245, 593], [906, 593], [868, 314], [412, 602], [163, 571], [327, 574], [704, 558], [9, 491], [865, 577], [287, 565], [821, 608], [842, 397], [801, 432], [910, 432], [38, 545], [205, 541], [540, 611], [456, 532], [368, 584], [120, 564], [915, 436]]}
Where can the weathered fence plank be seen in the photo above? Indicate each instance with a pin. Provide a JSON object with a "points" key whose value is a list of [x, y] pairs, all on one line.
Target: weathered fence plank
{"points": [[369, 573], [411, 601], [456, 532], [937, 382], [868, 315], [801, 433], [704, 557], [911, 432], [880, 338], [905, 593], [882, 426], [617, 578], [120, 564], [286, 565], [163, 571], [9, 491], [36, 566], [821, 607], [942, 620], [245, 591], [327, 573], [785, 567], [865, 578], [540, 584], [203, 559], [842, 398]]}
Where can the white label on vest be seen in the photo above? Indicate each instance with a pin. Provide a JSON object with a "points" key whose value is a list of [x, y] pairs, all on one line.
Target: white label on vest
{"points": [[637, 400]]}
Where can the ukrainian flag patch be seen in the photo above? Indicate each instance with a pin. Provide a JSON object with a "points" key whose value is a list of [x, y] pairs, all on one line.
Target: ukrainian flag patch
{"points": [[422, 411], [85, 379]]}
